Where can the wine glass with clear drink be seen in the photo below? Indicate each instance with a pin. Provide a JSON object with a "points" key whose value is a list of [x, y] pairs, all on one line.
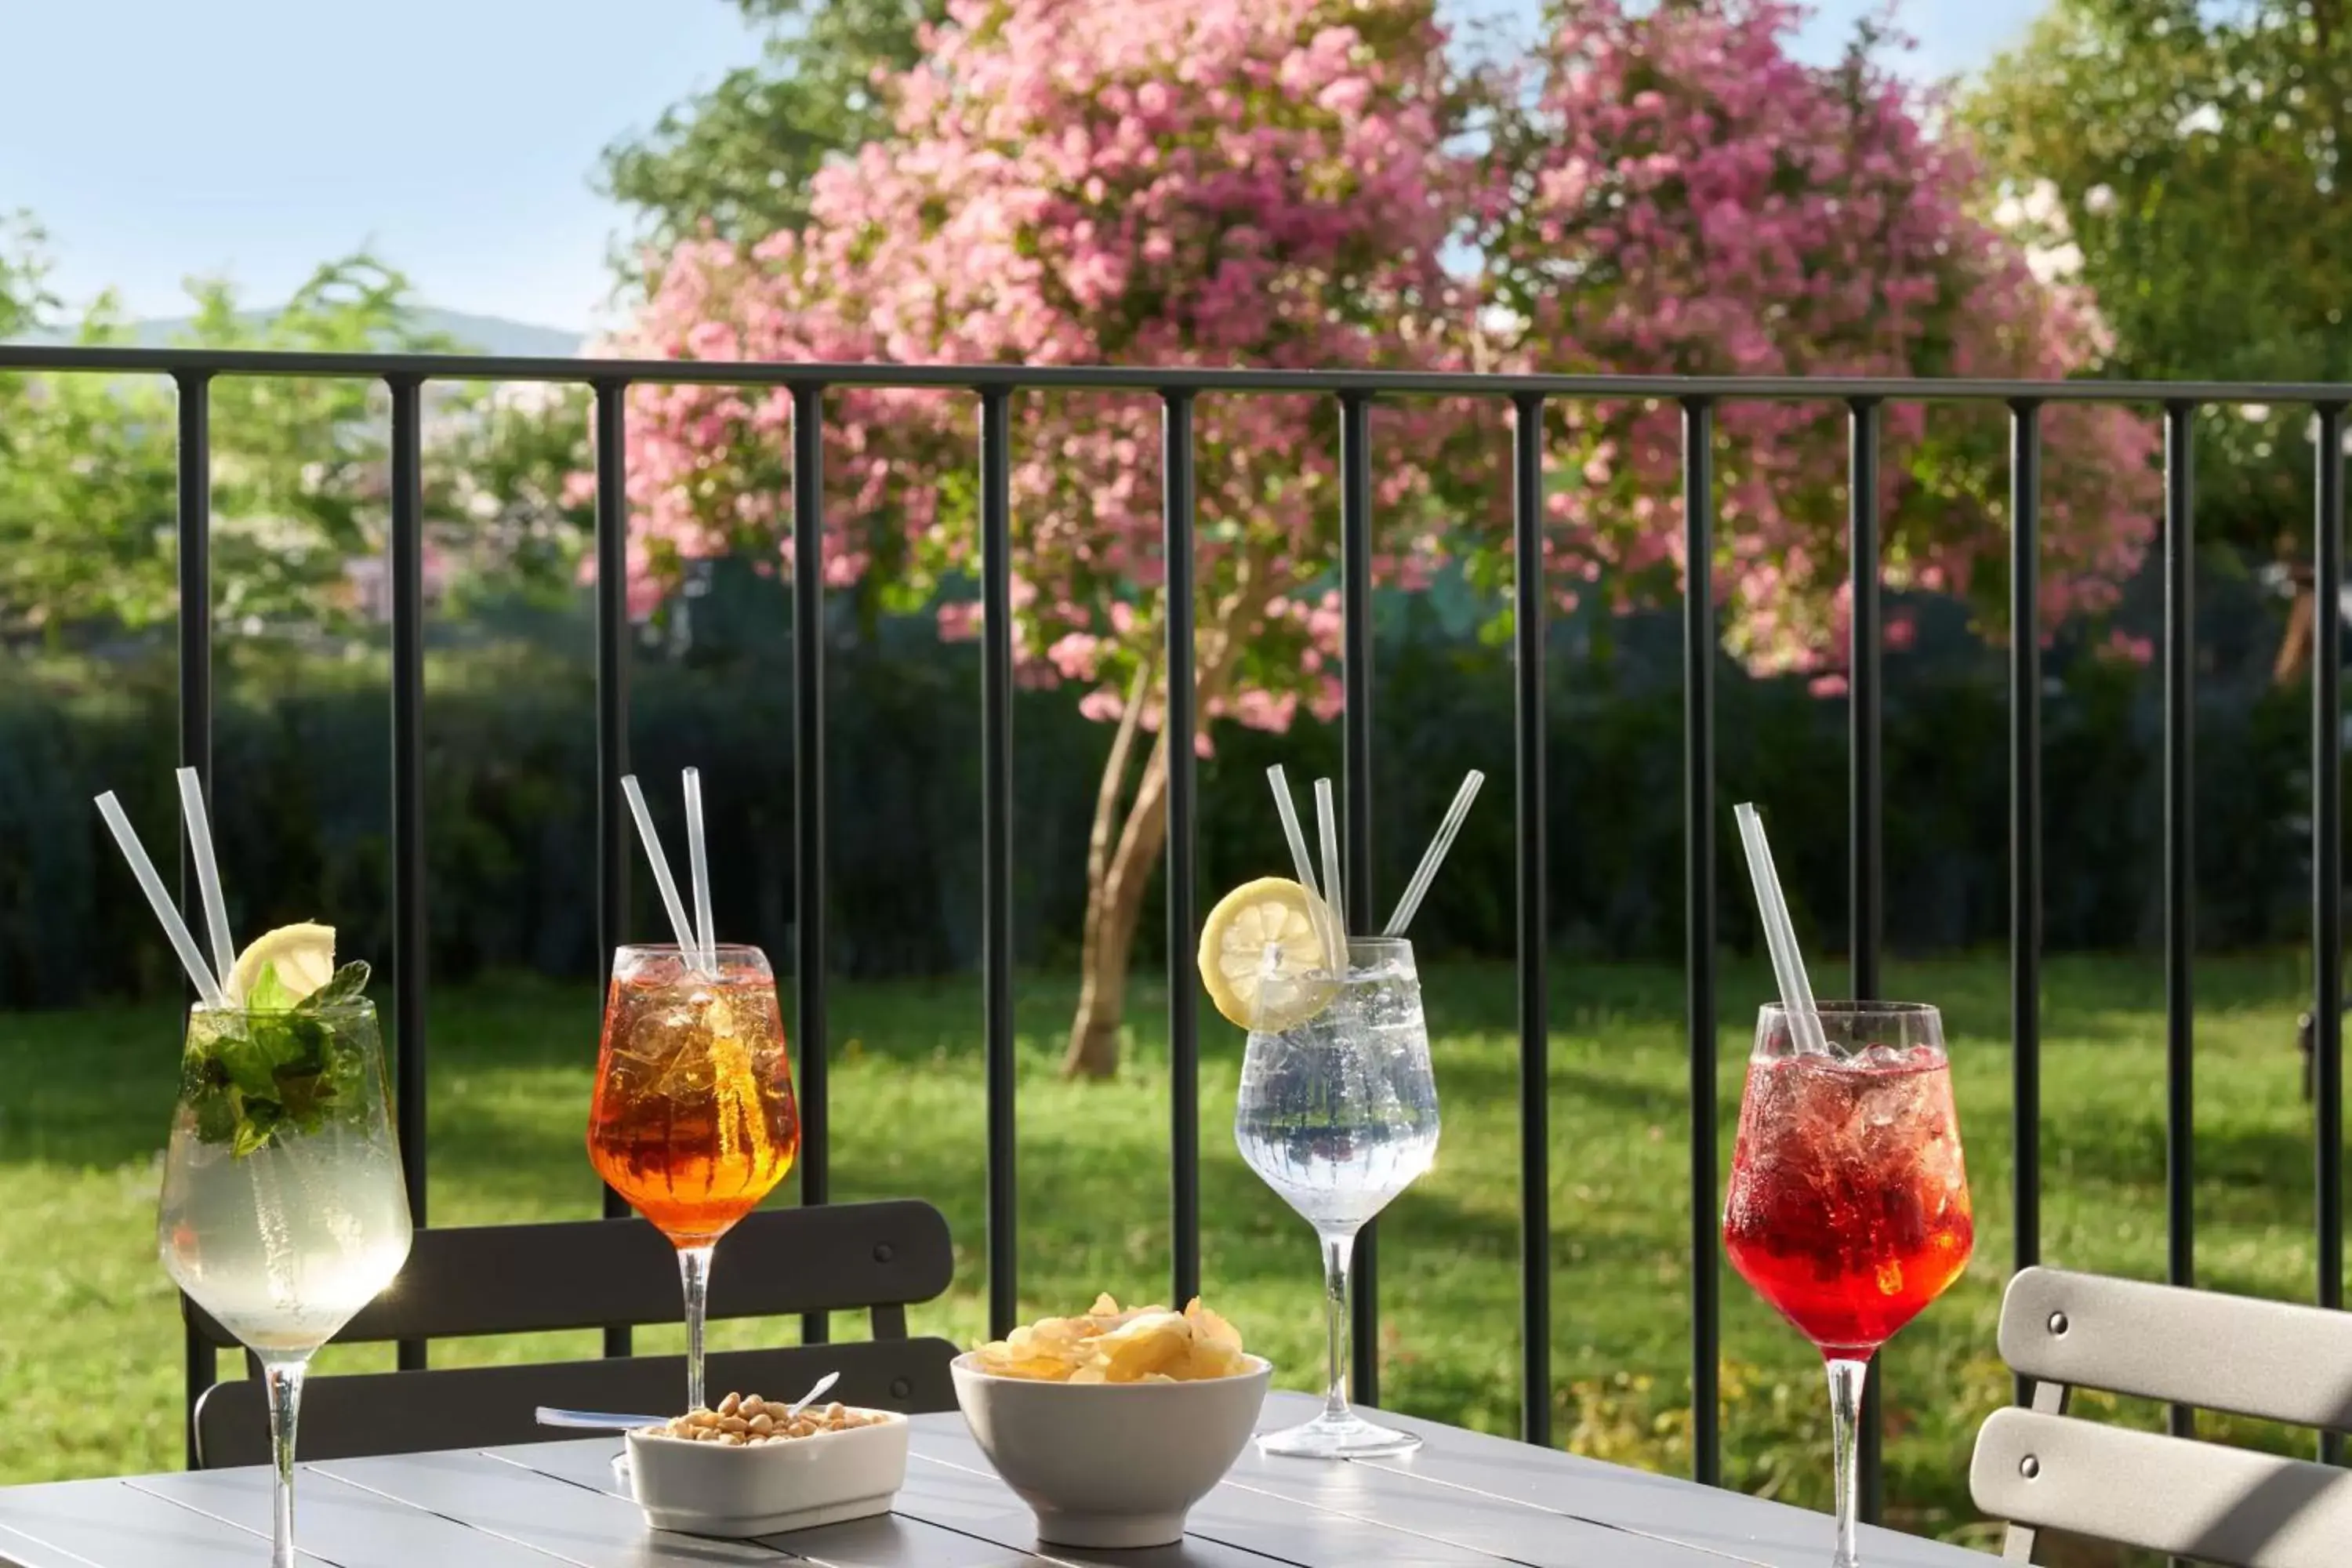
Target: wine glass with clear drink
{"points": [[693, 1120], [1337, 1113], [282, 1211], [1848, 1209]]}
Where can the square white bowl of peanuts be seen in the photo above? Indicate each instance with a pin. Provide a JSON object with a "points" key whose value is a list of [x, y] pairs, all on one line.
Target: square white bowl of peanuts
{"points": [[742, 1468]]}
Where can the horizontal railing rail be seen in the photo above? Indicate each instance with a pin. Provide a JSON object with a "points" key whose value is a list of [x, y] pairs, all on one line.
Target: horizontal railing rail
{"points": [[1697, 398], [587, 371]]}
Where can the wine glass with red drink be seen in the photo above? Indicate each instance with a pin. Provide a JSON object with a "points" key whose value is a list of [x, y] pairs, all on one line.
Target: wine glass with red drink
{"points": [[1848, 1209]]}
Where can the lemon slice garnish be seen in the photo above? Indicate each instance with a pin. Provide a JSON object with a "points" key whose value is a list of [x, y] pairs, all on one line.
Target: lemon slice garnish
{"points": [[1262, 955], [303, 956]]}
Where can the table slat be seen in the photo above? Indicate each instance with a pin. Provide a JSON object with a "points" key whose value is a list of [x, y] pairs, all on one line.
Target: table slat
{"points": [[1465, 1499], [109, 1524], [984, 1506], [1255, 1522], [950, 1519], [348, 1527], [592, 1529], [1372, 1517], [1771, 1534], [894, 1541], [888, 1540]]}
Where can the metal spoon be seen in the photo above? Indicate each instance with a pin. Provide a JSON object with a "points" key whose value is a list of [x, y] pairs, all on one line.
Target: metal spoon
{"points": [[605, 1421], [595, 1420]]}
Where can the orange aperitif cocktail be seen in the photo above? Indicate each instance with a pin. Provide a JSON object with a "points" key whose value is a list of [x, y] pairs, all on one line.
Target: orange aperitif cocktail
{"points": [[693, 1120]]}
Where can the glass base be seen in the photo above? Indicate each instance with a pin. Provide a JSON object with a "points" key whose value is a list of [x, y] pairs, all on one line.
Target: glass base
{"points": [[1348, 1437]]}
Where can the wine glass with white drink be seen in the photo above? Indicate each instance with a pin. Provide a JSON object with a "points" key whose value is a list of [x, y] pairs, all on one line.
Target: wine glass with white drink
{"points": [[283, 1211], [1337, 1110]]}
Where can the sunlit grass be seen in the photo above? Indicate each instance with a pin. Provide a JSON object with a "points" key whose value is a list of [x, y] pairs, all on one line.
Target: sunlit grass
{"points": [[89, 1356]]}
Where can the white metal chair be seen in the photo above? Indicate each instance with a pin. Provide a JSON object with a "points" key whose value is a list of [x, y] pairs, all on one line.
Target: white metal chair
{"points": [[2039, 1469]]}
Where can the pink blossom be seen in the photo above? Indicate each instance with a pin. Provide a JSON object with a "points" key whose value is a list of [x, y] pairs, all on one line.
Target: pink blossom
{"points": [[1701, 201], [1076, 182], [1273, 183]]}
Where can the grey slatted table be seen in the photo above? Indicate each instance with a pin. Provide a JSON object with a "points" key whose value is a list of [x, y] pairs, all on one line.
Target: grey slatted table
{"points": [[1464, 1501]]}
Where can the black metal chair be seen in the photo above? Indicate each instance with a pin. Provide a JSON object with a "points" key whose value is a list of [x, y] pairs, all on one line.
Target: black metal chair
{"points": [[876, 1258]]}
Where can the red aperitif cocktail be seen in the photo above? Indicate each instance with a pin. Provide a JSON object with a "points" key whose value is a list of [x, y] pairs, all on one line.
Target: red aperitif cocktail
{"points": [[1848, 1209]]}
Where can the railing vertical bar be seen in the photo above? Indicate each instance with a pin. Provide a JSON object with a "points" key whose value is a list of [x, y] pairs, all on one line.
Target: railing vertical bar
{"points": [[1530, 731], [1864, 805], [1698, 917], [408, 957], [2179, 855], [996, 853], [1183, 1034], [1184, 929], [809, 900], [2327, 862], [194, 546], [612, 851], [1355, 810], [2025, 832]]}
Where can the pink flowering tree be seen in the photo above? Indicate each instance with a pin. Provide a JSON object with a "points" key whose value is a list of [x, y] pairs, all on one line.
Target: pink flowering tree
{"points": [[1680, 195], [1071, 181], [1273, 183]]}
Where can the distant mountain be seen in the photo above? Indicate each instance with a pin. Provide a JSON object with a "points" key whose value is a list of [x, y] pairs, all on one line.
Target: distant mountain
{"points": [[477, 334]]}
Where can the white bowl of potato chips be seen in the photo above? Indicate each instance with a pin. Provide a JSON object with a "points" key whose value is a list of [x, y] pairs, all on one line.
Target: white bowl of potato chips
{"points": [[1111, 1426]]}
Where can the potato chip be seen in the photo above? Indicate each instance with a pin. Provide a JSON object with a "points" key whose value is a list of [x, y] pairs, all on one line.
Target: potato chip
{"points": [[1111, 1344]]}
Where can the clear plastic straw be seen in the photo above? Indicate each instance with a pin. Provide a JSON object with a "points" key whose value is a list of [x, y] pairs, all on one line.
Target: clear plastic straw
{"points": [[1781, 935], [687, 946], [1327, 827], [1426, 872], [698, 862], [1288, 809], [200, 840], [151, 885]]}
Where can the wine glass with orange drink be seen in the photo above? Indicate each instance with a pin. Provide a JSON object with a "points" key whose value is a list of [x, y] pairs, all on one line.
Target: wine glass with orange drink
{"points": [[693, 1120]]}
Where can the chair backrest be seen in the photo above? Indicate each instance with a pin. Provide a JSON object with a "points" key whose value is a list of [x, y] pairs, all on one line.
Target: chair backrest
{"points": [[876, 1258], [2040, 1468]]}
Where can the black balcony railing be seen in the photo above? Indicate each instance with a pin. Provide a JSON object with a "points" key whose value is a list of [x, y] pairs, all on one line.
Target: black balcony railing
{"points": [[994, 385]]}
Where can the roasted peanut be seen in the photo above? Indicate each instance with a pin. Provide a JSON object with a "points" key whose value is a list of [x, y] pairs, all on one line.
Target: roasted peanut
{"points": [[742, 1420]]}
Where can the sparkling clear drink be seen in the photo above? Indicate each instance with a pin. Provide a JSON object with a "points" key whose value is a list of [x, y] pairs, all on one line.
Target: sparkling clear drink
{"points": [[1339, 1115], [284, 1245], [282, 1211]]}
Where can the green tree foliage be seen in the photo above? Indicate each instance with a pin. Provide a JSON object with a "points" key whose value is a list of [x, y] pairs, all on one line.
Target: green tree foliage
{"points": [[736, 160], [89, 465], [2190, 158], [2197, 152]]}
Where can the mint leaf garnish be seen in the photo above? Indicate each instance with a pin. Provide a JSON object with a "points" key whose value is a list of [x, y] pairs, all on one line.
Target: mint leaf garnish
{"points": [[344, 986], [269, 993], [282, 1066]]}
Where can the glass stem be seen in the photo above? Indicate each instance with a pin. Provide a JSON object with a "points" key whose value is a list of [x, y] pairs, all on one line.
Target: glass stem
{"points": [[694, 1269], [283, 1379], [1337, 1249], [1846, 1378]]}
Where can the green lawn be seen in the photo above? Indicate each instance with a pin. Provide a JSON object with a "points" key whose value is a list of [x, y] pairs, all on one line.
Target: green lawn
{"points": [[90, 1369]]}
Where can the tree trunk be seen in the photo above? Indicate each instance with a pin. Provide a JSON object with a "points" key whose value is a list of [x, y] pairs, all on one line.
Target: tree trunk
{"points": [[1114, 882], [1128, 834], [2310, 625], [2297, 643]]}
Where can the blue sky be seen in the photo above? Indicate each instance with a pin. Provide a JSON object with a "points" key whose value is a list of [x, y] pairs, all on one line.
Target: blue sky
{"points": [[157, 139]]}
